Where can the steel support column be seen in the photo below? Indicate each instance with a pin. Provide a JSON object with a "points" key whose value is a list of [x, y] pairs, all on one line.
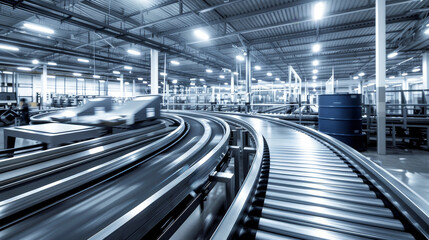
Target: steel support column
{"points": [[380, 62], [248, 81], [44, 87], [154, 71], [425, 66]]}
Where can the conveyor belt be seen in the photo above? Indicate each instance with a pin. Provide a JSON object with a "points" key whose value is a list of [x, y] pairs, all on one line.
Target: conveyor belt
{"points": [[307, 189], [113, 206]]}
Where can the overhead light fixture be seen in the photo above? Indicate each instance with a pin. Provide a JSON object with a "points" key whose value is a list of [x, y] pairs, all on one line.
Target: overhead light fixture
{"points": [[315, 71], [282, 82], [193, 79], [140, 79], [361, 74], [208, 70], [101, 81], [7, 72], [116, 72], [174, 81], [128, 68], [225, 83], [314, 77], [318, 10], [316, 47], [316, 63], [201, 34], [277, 79], [259, 81], [119, 79], [83, 60], [355, 77], [392, 77], [96, 76], [192, 84], [50, 76], [239, 57], [127, 83], [52, 63], [81, 79], [24, 69], [404, 74], [144, 82], [253, 79], [427, 31], [257, 68], [314, 85], [236, 73], [221, 76], [416, 69], [163, 74], [269, 74], [38, 28], [77, 74], [392, 55], [133, 52], [202, 79], [8, 47], [35, 61], [174, 62]]}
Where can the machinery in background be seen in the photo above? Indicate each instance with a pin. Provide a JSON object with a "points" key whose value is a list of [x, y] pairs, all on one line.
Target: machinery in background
{"points": [[8, 111]]}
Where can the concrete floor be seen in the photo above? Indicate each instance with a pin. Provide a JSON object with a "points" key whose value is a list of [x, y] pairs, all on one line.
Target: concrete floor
{"points": [[411, 166]]}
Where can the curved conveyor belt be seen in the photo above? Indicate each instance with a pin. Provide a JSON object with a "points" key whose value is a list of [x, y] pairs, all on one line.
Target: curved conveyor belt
{"points": [[307, 185], [112, 196]]}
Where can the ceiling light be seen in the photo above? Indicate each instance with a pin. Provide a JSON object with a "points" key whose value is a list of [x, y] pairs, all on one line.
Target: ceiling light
{"points": [[427, 31], [259, 81], [315, 62], [253, 79], [361, 74], [404, 74], [316, 47], [192, 84], [83, 60], [116, 72], [202, 79], [315, 71], [318, 10], [7, 72], [101, 81], [236, 73], [119, 79], [208, 70], [144, 82], [314, 77], [8, 47], [314, 85], [192, 79], [38, 28], [127, 83], [392, 55], [24, 68], [141, 79], [52, 63], [392, 77], [163, 74], [35, 61], [269, 74], [133, 52], [50, 76], [174, 62], [257, 68], [239, 58], [96, 76], [81, 79], [77, 74], [225, 83], [222, 76], [416, 69], [201, 34], [128, 68], [174, 81], [277, 79], [355, 77]]}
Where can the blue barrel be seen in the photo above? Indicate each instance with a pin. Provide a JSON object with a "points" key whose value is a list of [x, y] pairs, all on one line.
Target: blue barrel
{"points": [[340, 116]]}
